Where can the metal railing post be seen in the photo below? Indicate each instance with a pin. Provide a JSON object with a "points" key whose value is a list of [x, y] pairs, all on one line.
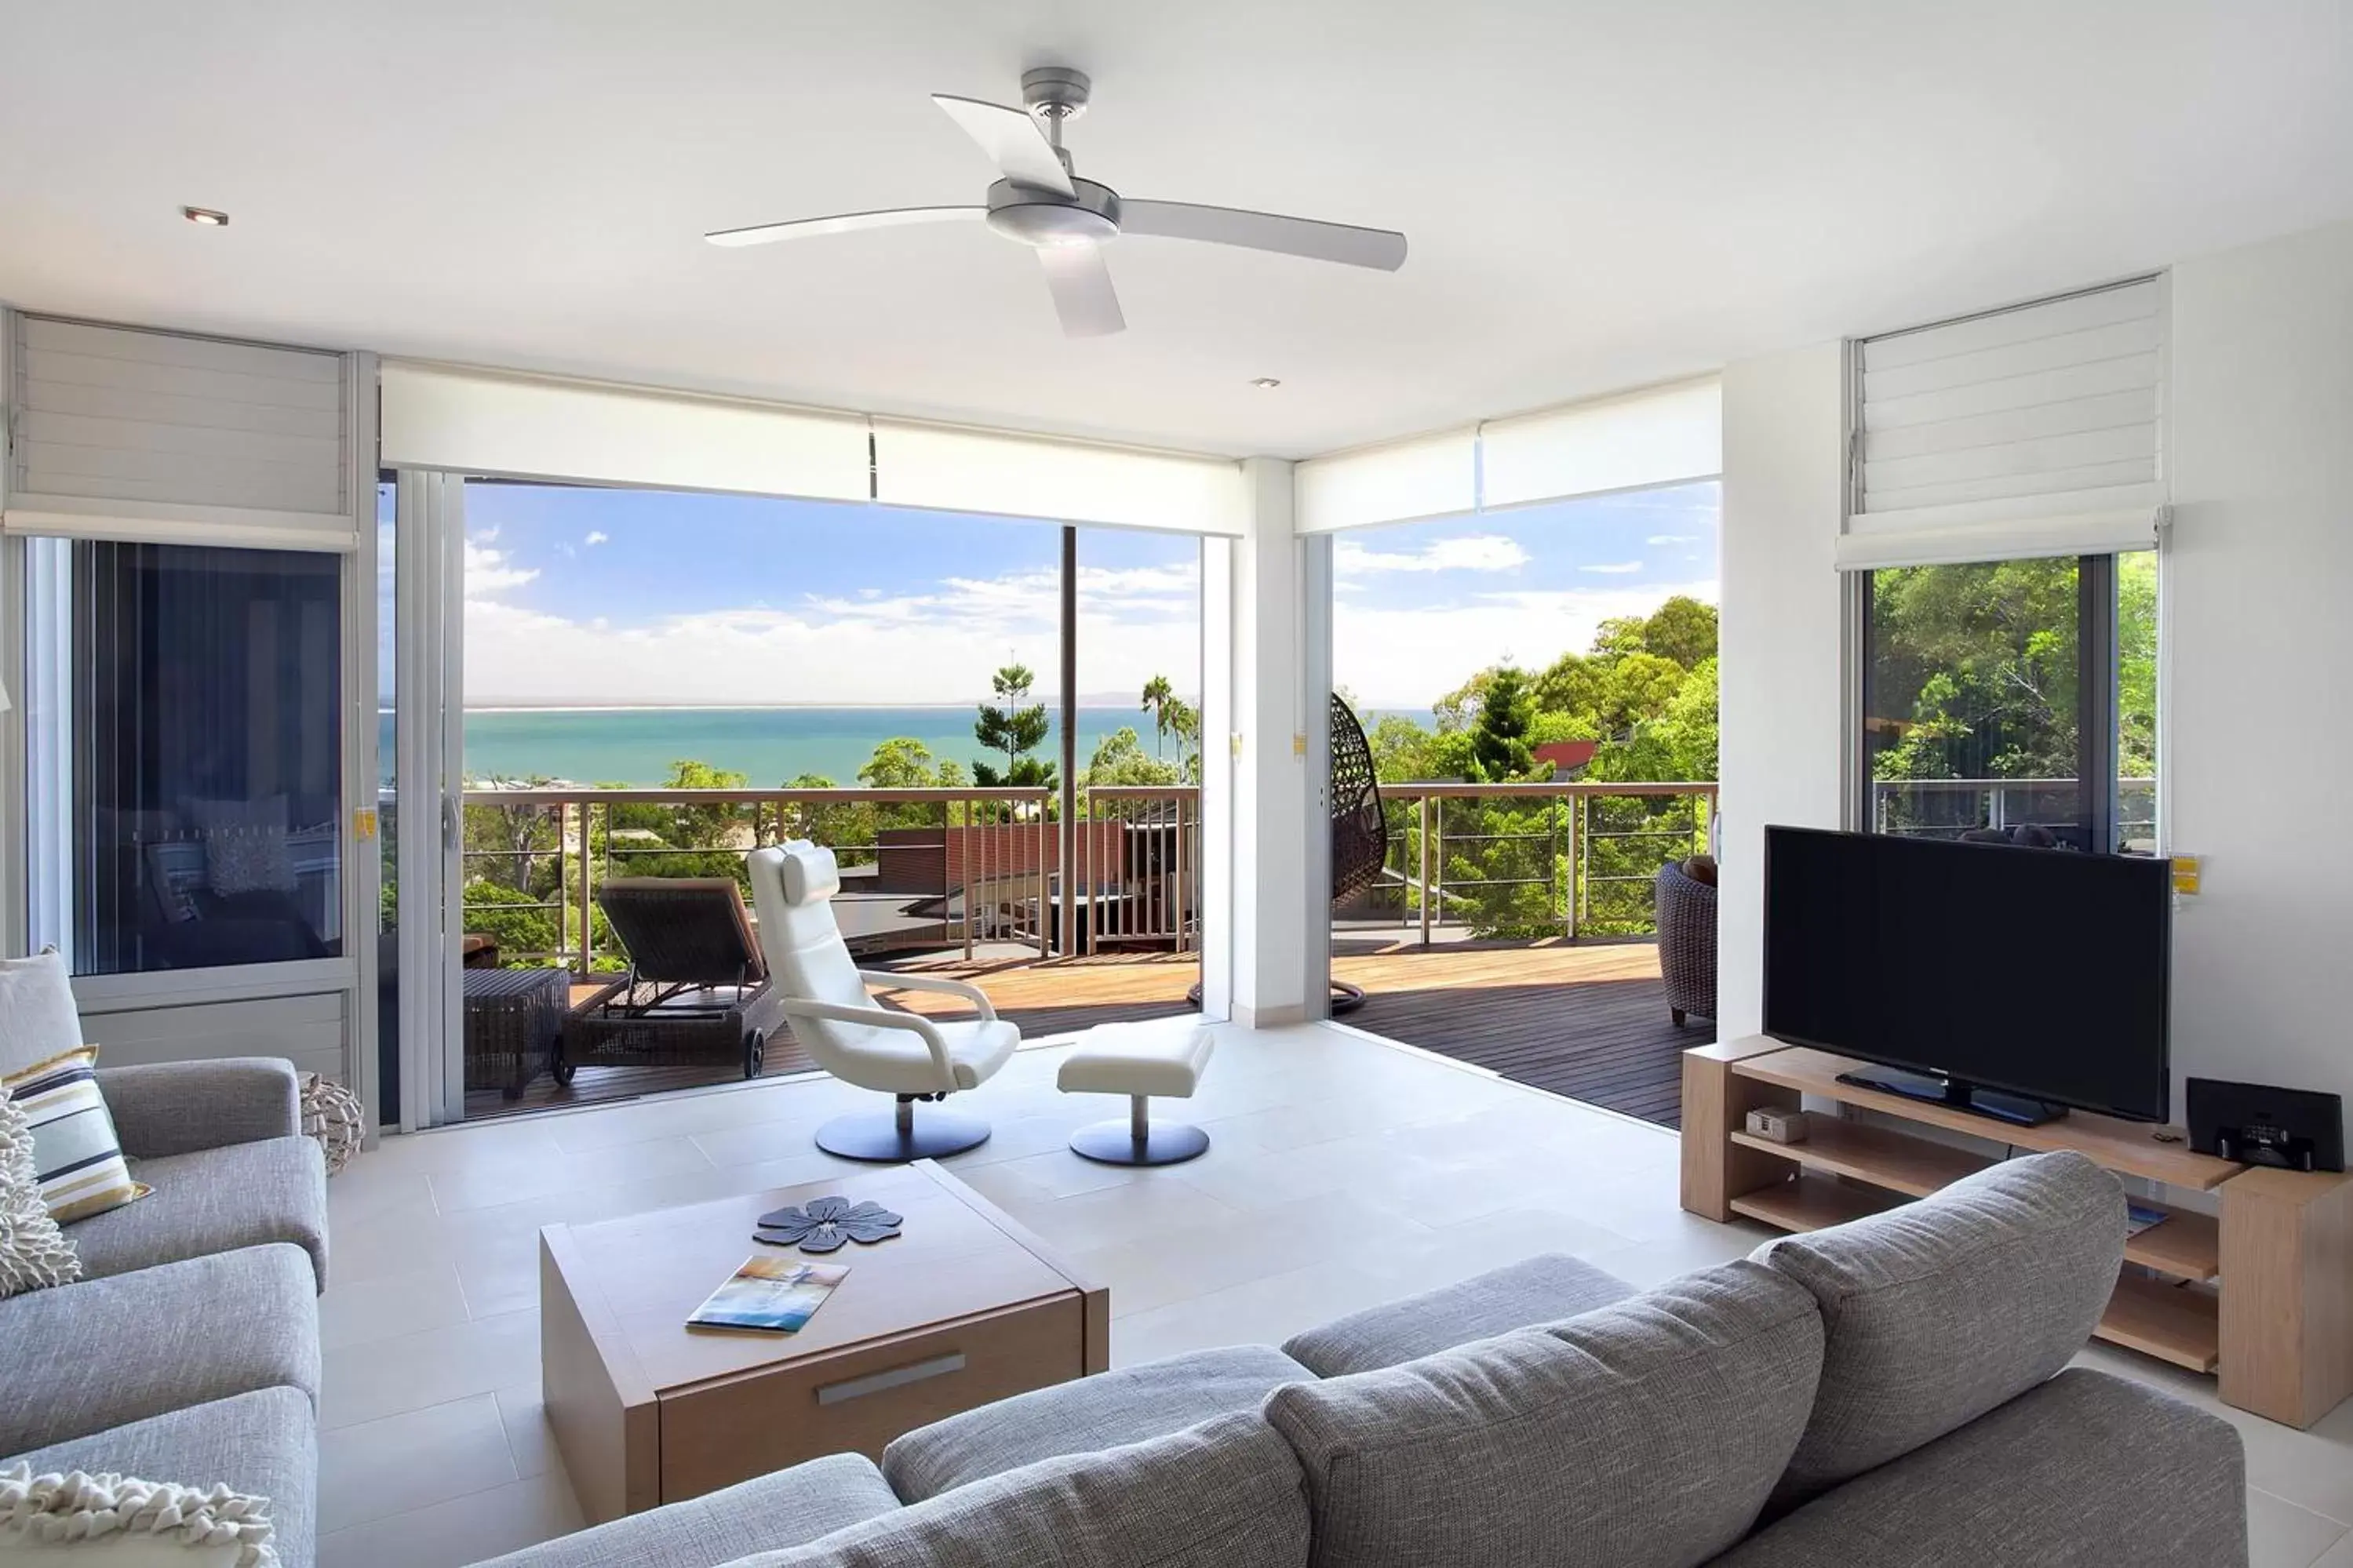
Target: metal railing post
{"points": [[587, 917], [1561, 838], [1422, 893], [1583, 860]]}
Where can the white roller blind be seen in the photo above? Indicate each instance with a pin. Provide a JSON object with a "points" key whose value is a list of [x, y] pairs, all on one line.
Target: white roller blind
{"points": [[2031, 431], [1662, 436], [519, 426], [1425, 477], [953, 468], [123, 432]]}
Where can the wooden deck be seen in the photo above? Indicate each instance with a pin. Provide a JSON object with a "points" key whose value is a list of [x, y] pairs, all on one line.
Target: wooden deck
{"points": [[1589, 1021]]}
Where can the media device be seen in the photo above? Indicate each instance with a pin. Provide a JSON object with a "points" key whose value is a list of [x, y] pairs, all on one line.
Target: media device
{"points": [[2009, 981], [2295, 1129]]}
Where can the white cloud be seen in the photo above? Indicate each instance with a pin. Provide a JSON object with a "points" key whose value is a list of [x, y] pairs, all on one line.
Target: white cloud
{"points": [[1671, 538], [936, 645], [1614, 568], [1474, 553], [1410, 658], [489, 570], [596, 536]]}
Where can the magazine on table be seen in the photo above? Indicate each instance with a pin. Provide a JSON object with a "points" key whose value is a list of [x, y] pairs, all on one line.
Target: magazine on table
{"points": [[771, 1294]]}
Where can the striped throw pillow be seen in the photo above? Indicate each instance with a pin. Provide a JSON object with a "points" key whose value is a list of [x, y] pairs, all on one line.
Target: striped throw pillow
{"points": [[76, 1155]]}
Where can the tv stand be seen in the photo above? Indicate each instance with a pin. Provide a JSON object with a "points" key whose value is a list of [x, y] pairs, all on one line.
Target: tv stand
{"points": [[1937, 1088], [2248, 1278]]}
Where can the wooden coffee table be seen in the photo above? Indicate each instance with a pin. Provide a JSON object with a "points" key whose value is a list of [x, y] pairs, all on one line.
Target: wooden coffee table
{"points": [[965, 1307]]}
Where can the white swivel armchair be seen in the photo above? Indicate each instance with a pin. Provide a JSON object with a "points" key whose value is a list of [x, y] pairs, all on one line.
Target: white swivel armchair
{"points": [[855, 1037]]}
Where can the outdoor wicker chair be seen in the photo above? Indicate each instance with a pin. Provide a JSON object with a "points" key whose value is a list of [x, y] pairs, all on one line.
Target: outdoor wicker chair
{"points": [[1686, 916], [697, 989]]}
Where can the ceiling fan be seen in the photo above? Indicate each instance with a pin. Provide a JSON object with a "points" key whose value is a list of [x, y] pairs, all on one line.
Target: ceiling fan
{"points": [[1043, 203]]}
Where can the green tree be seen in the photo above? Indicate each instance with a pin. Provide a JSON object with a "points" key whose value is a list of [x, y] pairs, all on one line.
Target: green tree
{"points": [[1120, 759], [1015, 726], [1499, 737], [1157, 695], [1683, 629]]}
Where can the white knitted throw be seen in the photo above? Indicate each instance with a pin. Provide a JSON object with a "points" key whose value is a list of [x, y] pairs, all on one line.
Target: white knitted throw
{"points": [[34, 1252], [55, 1510]]}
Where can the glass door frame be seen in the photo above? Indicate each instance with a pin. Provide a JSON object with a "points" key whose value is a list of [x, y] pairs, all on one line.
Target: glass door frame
{"points": [[428, 729]]}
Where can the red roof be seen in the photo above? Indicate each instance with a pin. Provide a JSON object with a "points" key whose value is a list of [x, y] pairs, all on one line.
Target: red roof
{"points": [[1568, 756]]}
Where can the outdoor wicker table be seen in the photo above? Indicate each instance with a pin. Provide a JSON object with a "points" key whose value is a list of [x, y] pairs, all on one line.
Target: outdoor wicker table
{"points": [[513, 1018]]}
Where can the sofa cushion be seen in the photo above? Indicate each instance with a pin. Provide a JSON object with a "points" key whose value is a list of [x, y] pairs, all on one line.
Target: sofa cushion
{"points": [[788, 1507], [263, 1443], [215, 1200], [1100, 1412], [1541, 1290], [2085, 1469], [1643, 1434], [84, 1357], [1937, 1311], [1224, 1494]]}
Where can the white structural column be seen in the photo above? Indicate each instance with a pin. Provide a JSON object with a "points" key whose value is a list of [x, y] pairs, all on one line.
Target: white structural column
{"points": [[1268, 751], [1784, 616]]}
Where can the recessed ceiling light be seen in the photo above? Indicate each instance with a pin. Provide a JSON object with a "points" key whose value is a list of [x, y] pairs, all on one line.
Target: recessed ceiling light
{"points": [[205, 215], [1265, 383]]}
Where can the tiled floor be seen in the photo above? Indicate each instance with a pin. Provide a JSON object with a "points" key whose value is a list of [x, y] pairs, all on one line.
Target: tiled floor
{"points": [[1343, 1172]]}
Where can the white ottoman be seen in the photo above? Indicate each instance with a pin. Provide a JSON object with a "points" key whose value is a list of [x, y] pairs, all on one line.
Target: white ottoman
{"points": [[1139, 1060]]}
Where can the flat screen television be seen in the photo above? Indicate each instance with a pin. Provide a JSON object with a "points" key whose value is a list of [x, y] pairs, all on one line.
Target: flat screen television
{"points": [[2010, 981]]}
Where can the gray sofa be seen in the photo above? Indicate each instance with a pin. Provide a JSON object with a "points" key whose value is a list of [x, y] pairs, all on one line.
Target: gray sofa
{"points": [[1893, 1392], [189, 1350]]}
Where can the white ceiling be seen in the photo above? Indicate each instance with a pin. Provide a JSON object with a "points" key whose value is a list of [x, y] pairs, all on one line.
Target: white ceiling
{"points": [[1598, 195]]}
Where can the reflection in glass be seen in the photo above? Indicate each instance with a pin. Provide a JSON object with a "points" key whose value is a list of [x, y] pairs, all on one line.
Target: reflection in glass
{"points": [[199, 750]]}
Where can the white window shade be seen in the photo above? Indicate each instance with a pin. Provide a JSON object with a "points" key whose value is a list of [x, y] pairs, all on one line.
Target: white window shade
{"points": [[124, 433], [2033, 431], [953, 469], [1401, 481], [1662, 436], [481, 422]]}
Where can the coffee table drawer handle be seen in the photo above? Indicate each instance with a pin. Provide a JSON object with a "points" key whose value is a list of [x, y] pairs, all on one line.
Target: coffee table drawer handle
{"points": [[895, 1377]]}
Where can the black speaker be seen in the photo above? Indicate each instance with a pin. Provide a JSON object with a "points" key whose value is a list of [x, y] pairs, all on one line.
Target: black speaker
{"points": [[2294, 1128]]}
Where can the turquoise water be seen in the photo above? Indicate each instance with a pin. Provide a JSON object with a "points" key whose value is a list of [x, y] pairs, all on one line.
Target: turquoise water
{"points": [[638, 745]]}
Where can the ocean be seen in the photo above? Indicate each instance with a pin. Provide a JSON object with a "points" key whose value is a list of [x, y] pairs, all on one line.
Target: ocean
{"points": [[638, 745]]}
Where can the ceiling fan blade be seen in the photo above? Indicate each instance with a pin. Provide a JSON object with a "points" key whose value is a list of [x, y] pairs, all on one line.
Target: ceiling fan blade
{"points": [[1080, 284], [845, 223], [1380, 248], [1012, 141]]}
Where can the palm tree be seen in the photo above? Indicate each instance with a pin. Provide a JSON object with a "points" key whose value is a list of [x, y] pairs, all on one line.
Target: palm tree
{"points": [[1157, 695]]}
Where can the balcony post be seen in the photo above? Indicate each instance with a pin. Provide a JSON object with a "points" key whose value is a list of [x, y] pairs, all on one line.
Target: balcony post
{"points": [[1421, 892], [587, 941]]}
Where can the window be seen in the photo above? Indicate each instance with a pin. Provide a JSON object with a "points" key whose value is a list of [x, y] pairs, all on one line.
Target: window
{"points": [[185, 726], [2013, 698]]}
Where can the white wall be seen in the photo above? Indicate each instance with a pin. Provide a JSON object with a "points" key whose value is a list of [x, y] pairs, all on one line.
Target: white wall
{"points": [[1784, 442], [2258, 640], [2260, 444]]}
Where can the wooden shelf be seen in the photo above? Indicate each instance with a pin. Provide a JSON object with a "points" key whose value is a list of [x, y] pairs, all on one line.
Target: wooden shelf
{"points": [[2179, 1323], [1897, 1161], [2127, 1146], [2189, 1245], [1812, 1202], [2262, 1295]]}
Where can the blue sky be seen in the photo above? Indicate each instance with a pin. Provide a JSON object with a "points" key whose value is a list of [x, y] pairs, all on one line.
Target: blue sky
{"points": [[578, 596], [1419, 609]]}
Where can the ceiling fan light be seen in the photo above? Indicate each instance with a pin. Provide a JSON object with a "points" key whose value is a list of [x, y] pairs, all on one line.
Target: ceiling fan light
{"points": [[205, 217]]}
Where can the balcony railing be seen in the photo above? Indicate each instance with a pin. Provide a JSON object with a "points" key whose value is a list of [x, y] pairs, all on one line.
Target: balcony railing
{"points": [[1947, 808], [922, 868], [933, 869], [1533, 859]]}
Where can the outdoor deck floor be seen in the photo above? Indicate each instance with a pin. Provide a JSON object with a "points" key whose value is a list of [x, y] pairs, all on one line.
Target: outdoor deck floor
{"points": [[1589, 1021]]}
